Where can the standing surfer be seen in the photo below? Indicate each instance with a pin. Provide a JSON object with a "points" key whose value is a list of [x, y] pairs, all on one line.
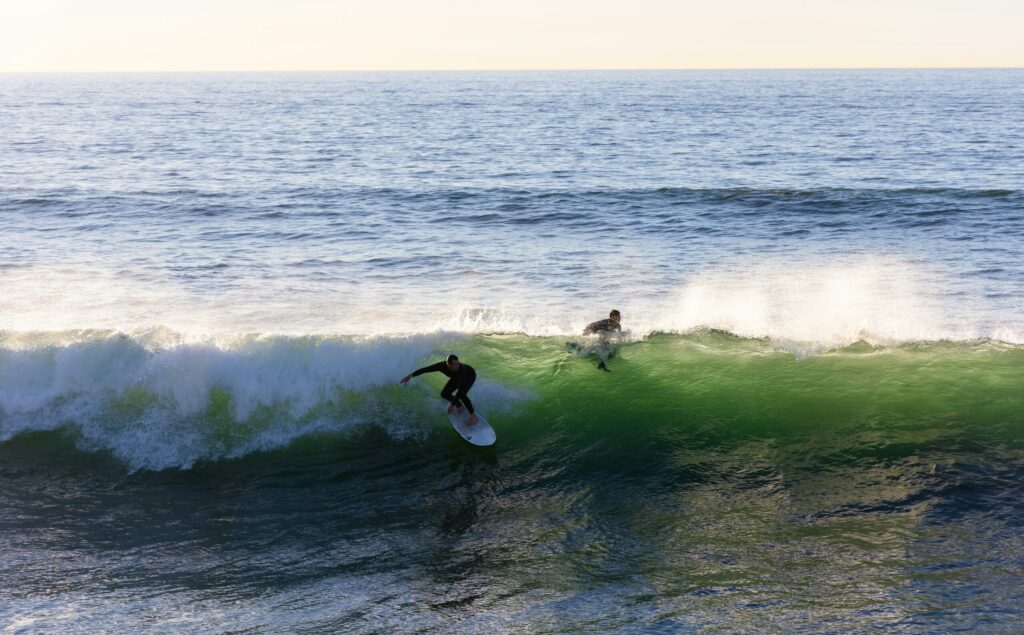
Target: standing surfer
{"points": [[460, 380], [604, 330]]}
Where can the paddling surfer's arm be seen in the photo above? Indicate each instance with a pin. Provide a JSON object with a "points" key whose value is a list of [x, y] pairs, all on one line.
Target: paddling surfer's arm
{"points": [[602, 326]]}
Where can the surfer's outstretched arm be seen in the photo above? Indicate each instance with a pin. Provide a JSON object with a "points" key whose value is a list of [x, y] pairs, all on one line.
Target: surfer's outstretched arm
{"points": [[433, 368]]}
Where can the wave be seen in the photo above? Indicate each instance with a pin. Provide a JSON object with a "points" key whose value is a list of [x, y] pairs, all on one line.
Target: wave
{"points": [[157, 399], [512, 205]]}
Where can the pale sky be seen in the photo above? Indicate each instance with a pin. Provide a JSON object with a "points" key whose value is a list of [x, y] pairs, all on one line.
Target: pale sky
{"points": [[279, 35]]}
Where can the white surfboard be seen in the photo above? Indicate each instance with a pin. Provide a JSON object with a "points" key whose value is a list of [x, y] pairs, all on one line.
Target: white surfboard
{"points": [[480, 433]]}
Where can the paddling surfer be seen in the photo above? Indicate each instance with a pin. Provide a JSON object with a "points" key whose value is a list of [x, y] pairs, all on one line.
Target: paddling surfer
{"points": [[611, 324], [604, 329], [460, 380]]}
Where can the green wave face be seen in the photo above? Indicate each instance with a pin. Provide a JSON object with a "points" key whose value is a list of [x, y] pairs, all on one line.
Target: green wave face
{"points": [[726, 388], [706, 476]]}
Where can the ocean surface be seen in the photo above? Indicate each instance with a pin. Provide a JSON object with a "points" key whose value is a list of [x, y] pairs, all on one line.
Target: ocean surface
{"points": [[211, 284]]}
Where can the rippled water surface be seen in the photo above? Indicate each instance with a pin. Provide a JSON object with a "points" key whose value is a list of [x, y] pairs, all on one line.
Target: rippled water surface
{"points": [[387, 202], [210, 285]]}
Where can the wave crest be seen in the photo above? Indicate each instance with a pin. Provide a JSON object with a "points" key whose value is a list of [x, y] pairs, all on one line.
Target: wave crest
{"points": [[156, 399]]}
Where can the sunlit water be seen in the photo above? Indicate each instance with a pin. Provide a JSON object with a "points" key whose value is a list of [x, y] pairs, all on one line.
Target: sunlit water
{"points": [[212, 283]]}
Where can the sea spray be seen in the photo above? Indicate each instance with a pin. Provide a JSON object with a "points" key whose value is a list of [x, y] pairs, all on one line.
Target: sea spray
{"points": [[806, 303]]}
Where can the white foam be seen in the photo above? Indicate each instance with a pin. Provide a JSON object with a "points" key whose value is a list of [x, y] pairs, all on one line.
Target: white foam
{"points": [[146, 396]]}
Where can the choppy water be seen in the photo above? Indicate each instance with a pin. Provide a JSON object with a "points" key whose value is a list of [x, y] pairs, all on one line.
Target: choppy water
{"points": [[211, 284]]}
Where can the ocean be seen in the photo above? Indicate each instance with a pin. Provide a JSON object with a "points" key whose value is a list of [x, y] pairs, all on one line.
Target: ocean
{"points": [[211, 285]]}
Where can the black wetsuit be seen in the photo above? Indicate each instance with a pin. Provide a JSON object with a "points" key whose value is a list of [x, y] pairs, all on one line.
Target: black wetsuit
{"points": [[459, 381], [602, 326]]}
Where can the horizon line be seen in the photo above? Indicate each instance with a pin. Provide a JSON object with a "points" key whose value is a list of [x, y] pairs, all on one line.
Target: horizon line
{"points": [[515, 70]]}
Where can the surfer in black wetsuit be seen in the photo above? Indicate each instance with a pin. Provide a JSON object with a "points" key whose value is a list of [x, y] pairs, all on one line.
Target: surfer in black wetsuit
{"points": [[460, 380], [604, 329]]}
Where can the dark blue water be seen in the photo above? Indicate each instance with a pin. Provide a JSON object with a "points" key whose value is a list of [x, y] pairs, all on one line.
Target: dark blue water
{"points": [[210, 285]]}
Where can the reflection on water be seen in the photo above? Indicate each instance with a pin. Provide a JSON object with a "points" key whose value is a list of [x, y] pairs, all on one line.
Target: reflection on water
{"points": [[369, 533]]}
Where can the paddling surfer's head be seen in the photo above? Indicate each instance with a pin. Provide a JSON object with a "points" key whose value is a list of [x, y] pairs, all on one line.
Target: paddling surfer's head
{"points": [[452, 361]]}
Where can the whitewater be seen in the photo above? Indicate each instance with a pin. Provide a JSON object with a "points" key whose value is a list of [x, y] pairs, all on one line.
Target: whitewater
{"points": [[158, 397]]}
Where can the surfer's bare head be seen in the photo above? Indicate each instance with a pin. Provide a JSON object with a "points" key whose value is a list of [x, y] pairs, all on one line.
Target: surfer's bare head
{"points": [[615, 315], [452, 361]]}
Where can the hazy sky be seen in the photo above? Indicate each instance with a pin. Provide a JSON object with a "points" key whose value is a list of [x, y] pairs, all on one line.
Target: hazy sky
{"points": [[201, 35]]}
